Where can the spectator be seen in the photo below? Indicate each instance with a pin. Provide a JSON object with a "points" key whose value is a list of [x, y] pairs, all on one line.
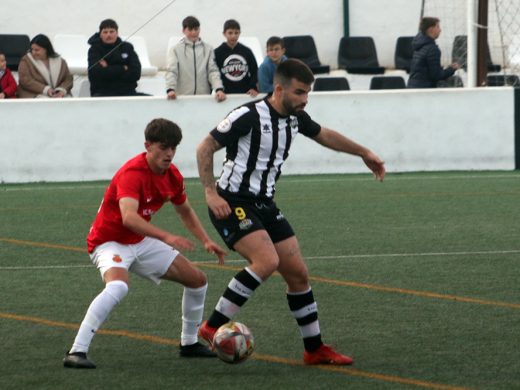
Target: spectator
{"points": [[236, 62], [425, 68], [113, 65], [7, 82], [275, 55], [191, 67], [42, 72]]}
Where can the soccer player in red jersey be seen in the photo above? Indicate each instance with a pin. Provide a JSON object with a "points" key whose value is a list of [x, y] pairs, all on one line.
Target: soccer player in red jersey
{"points": [[122, 239]]}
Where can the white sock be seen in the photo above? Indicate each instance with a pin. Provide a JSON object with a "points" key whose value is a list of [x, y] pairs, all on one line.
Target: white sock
{"points": [[97, 313], [192, 312]]}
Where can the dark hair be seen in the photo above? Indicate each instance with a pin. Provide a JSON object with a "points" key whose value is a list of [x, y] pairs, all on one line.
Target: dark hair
{"points": [[275, 41], [44, 42], [293, 69], [108, 23], [190, 22], [163, 131], [231, 24], [426, 23]]}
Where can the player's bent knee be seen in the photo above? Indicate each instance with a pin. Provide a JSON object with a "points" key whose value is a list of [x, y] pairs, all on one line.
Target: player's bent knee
{"points": [[273, 264], [194, 279], [265, 267], [201, 280], [117, 289]]}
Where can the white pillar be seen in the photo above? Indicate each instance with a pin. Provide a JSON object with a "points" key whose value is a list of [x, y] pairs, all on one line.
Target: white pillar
{"points": [[472, 43]]}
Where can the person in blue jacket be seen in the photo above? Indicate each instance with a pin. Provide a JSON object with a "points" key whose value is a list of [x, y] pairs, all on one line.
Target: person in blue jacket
{"points": [[425, 68], [275, 49]]}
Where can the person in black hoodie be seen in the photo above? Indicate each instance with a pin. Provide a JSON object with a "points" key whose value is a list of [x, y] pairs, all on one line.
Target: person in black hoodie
{"points": [[425, 68], [113, 65], [236, 62]]}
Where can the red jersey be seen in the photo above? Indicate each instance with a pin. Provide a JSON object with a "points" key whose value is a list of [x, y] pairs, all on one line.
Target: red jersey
{"points": [[134, 180]]}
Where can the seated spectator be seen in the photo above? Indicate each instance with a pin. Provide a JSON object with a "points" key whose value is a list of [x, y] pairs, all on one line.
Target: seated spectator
{"points": [[191, 67], [42, 73], [236, 62], [113, 65], [7, 82], [275, 55]]}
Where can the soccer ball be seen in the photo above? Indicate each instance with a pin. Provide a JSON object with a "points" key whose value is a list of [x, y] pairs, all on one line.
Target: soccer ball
{"points": [[233, 342]]}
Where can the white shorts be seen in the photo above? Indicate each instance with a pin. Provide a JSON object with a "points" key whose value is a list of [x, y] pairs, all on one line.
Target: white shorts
{"points": [[149, 258]]}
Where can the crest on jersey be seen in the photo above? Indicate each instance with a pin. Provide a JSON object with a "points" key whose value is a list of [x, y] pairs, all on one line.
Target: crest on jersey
{"points": [[245, 224], [224, 126], [117, 259]]}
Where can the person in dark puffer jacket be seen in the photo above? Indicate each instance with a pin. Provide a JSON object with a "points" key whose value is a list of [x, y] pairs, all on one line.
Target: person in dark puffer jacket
{"points": [[113, 65], [426, 69]]}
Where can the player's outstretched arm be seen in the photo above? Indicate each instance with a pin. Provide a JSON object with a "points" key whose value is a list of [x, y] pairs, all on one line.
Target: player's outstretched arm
{"points": [[193, 224], [133, 221], [205, 152], [336, 141]]}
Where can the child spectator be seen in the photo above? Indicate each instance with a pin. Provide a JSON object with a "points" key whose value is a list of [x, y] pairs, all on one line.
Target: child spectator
{"points": [[7, 82], [191, 67], [236, 62], [113, 65], [275, 55], [426, 69]]}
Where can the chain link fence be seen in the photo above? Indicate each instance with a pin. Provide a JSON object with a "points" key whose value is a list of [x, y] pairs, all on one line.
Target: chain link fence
{"points": [[503, 37]]}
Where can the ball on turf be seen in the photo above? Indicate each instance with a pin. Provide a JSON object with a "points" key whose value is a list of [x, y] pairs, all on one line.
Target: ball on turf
{"points": [[233, 342]]}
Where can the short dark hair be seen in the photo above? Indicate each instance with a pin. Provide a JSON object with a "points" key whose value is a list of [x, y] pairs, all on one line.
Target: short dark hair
{"points": [[231, 24], [275, 41], [190, 22], [293, 69], [426, 23], [163, 131], [44, 41], [108, 23]]}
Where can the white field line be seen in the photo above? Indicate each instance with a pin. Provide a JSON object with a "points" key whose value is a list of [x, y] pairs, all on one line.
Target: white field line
{"points": [[366, 256], [399, 177], [66, 187], [288, 179]]}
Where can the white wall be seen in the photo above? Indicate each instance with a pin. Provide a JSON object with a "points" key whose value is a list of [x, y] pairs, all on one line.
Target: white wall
{"points": [[383, 19], [87, 139]]}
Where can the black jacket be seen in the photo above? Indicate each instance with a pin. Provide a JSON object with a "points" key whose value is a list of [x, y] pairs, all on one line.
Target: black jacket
{"points": [[425, 68], [112, 80], [238, 68]]}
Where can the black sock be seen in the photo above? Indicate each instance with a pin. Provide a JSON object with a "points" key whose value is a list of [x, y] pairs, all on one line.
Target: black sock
{"points": [[239, 290], [305, 311]]}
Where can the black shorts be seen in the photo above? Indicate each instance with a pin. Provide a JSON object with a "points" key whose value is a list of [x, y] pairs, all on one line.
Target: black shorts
{"points": [[250, 215]]}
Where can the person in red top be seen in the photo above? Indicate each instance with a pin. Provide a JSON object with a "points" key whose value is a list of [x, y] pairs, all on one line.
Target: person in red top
{"points": [[8, 85], [122, 239]]}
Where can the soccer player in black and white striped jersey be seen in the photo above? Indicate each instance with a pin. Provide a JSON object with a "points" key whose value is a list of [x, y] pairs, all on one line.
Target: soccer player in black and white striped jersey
{"points": [[257, 137]]}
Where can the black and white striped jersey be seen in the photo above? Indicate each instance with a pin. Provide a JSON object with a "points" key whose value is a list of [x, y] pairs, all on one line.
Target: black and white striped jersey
{"points": [[257, 141]]}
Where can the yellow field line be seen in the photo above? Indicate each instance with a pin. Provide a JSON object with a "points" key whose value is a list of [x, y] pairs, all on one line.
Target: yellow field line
{"points": [[336, 282], [43, 245], [387, 289], [417, 293], [268, 358]]}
